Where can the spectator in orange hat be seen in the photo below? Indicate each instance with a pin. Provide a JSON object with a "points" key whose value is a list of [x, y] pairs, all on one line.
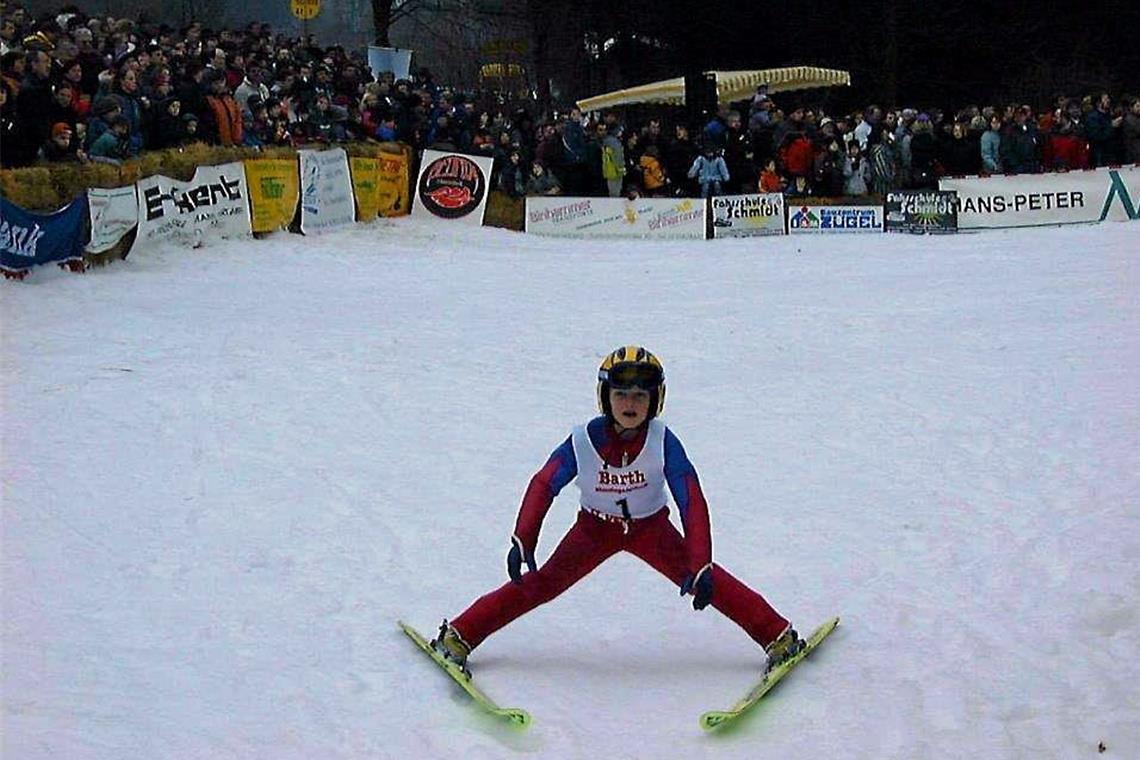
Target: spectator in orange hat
{"points": [[62, 146]]}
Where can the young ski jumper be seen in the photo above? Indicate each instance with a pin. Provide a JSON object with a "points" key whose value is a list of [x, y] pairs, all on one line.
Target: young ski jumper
{"points": [[623, 462]]}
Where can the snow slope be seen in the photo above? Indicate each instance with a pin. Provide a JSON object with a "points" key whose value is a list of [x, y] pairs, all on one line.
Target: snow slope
{"points": [[227, 472]]}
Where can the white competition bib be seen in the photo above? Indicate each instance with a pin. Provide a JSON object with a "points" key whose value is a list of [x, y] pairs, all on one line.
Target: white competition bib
{"points": [[636, 490]]}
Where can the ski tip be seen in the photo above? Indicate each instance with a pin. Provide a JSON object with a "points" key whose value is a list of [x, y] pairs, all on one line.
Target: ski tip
{"points": [[517, 716], [715, 719]]}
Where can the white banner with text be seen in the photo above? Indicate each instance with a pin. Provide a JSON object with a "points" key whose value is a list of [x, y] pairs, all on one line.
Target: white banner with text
{"points": [[1031, 200], [214, 204], [672, 218], [326, 190], [748, 215]]}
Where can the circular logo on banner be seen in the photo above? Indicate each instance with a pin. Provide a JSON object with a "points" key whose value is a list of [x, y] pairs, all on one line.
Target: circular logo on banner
{"points": [[452, 186]]}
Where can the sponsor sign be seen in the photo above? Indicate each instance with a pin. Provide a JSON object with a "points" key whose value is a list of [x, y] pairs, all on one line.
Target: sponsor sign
{"points": [[274, 191], [326, 190], [748, 215], [1029, 200], [305, 9], [365, 188], [28, 239], [672, 218], [396, 60], [815, 219], [453, 186], [922, 211], [392, 185], [114, 213], [215, 203]]}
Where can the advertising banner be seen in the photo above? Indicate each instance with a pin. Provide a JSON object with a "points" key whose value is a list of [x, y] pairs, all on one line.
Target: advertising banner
{"points": [[326, 190], [114, 213], [28, 239], [748, 215], [816, 219], [1030, 200], [922, 211], [214, 204], [392, 188], [365, 188], [665, 218], [274, 191], [453, 186], [396, 60]]}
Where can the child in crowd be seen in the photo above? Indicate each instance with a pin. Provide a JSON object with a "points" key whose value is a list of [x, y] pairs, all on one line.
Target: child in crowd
{"points": [[770, 179], [710, 170]]}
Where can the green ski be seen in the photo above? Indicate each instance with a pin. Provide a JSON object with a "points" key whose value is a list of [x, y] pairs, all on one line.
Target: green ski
{"points": [[718, 718], [516, 716]]}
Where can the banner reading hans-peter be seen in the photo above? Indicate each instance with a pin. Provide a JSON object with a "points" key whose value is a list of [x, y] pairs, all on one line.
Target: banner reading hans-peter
{"points": [[28, 239]]}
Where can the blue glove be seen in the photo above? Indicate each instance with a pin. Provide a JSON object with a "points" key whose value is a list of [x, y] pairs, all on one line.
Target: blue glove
{"points": [[700, 586], [515, 558]]}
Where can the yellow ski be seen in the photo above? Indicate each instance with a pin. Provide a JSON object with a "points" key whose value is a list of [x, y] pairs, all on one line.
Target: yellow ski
{"points": [[515, 715], [717, 718]]}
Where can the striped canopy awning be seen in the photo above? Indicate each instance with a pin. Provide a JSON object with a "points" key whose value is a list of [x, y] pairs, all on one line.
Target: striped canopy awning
{"points": [[730, 86]]}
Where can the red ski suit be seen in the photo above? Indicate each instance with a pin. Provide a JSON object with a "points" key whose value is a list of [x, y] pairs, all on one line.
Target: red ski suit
{"points": [[594, 539]]}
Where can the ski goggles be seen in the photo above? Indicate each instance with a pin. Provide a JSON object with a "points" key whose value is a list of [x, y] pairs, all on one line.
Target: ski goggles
{"points": [[644, 376]]}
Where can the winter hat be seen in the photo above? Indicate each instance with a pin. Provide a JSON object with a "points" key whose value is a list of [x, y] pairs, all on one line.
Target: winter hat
{"points": [[105, 105], [59, 128], [825, 121], [189, 117]]}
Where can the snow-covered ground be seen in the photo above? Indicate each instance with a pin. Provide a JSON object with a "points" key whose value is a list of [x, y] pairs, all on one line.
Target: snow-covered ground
{"points": [[227, 472]]}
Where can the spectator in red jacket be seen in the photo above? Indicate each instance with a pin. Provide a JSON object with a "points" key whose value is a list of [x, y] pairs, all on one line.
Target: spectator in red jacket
{"points": [[797, 155], [1064, 149]]}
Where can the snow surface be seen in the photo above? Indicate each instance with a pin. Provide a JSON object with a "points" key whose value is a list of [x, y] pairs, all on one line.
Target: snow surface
{"points": [[228, 471]]}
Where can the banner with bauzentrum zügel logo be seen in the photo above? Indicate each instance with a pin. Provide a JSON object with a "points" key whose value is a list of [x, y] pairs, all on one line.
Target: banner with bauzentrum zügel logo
{"points": [[824, 219]]}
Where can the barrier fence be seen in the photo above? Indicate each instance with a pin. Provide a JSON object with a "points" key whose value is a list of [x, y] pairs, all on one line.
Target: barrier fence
{"points": [[325, 190]]}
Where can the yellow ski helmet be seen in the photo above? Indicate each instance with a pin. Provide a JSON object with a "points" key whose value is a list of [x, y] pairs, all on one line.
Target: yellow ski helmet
{"points": [[630, 367]]}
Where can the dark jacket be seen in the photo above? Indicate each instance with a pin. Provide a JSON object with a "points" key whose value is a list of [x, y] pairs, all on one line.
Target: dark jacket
{"points": [[962, 156], [1131, 134], [1018, 150], [34, 105]]}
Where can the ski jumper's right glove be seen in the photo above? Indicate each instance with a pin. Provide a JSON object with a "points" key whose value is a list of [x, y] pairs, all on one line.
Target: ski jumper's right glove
{"points": [[516, 557]]}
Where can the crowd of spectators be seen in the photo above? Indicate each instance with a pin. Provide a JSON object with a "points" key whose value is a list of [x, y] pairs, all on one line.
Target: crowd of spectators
{"points": [[78, 88]]}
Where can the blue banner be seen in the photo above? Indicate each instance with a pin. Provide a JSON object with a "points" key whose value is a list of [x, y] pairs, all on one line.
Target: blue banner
{"points": [[28, 239]]}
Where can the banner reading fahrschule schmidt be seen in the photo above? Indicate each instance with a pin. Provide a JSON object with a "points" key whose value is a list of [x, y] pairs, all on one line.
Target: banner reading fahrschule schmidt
{"points": [[1033, 200]]}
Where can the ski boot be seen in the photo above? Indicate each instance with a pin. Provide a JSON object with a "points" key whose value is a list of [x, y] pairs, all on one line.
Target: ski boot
{"points": [[451, 646], [786, 646]]}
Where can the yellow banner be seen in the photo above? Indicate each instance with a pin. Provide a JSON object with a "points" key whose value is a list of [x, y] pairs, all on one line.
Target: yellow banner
{"points": [[392, 183], [365, 173], [274, 190]]}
